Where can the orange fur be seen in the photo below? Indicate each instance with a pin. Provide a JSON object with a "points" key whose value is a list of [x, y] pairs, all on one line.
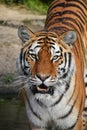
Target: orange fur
{"points": [[70, 15]]}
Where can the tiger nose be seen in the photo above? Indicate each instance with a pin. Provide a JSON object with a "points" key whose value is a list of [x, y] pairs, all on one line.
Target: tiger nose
{"points": [[42, 77]]}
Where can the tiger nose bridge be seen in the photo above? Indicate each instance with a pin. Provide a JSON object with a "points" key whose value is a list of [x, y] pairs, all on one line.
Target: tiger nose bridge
{"points": [[44, 65], [44, 69]]}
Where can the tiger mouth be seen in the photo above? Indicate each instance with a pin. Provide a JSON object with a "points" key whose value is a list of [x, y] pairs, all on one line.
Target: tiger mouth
{"points": [[42, 89]]}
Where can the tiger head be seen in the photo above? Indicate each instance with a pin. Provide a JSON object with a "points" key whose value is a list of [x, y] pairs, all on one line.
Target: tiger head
{"points": [[46, 59]]}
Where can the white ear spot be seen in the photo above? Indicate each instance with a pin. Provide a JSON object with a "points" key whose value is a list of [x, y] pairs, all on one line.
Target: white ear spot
{"points": [[70, 37]]}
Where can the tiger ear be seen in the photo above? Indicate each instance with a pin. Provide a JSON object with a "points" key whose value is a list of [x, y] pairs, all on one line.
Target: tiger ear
{"points": [[24, 33], [70, 37]]}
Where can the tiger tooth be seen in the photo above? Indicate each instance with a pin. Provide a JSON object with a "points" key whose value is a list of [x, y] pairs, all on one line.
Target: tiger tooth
{"points": [[40, 89]]}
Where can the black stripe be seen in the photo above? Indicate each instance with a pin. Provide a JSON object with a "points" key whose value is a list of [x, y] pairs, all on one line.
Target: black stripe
{"points": [[77, 6], [57, 14], [34, 113], [74, 13], [71, 25], [83, 15], [58, 52], [69, 112], [85, 84], [53, 47], [68, 5], [85, 109], [77, 118], [71, 96], [29, 47], [65, 75], [24, 67], [65, 59], [61, 49], [60, 19], [57, 5], [57, 20], [47, 39], [59, 100], [78, 1], [66, 21], [74, 21], [69, 64], [30, 50], [52, 4], [39, 42], [85, 115], [60, 29], [69, 128], [70, 59], [40, 103], [22, 59], [52, 35], [52, 43], [37, 46], [50, 39], [41, 34], [41, 38], [52, 16]]}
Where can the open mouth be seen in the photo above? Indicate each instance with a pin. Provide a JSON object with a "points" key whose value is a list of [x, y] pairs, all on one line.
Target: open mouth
{"points": [[42, 89]]}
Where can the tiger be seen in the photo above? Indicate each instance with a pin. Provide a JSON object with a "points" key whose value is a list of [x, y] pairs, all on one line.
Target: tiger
{"points": [[53, 62]]}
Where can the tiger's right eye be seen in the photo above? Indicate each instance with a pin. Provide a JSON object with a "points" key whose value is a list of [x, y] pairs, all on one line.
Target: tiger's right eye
{"points": [[33, 56]]}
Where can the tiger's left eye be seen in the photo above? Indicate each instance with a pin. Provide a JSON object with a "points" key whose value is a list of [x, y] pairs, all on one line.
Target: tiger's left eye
{"points": [[56, 57]]}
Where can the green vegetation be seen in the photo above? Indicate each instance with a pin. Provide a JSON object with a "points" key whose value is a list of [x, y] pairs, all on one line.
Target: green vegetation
{"points": [[37, 5], [8, 78]]}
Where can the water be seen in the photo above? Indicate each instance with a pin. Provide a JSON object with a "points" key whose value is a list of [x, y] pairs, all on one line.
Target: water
{"points": [[12, 115]]}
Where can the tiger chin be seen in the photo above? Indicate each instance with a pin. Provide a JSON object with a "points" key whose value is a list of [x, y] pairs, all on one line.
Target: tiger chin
{"points": [[53, 63]]}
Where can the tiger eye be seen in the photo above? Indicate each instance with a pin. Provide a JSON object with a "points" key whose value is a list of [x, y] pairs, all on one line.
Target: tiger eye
{"points": [[55, 57]]}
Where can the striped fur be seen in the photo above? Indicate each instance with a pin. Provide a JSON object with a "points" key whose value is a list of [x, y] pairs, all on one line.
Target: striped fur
{"points": [[54, 62]]}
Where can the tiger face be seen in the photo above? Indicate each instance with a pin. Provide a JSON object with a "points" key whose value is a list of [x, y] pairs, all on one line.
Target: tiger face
{"points": [[47, 60]]}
